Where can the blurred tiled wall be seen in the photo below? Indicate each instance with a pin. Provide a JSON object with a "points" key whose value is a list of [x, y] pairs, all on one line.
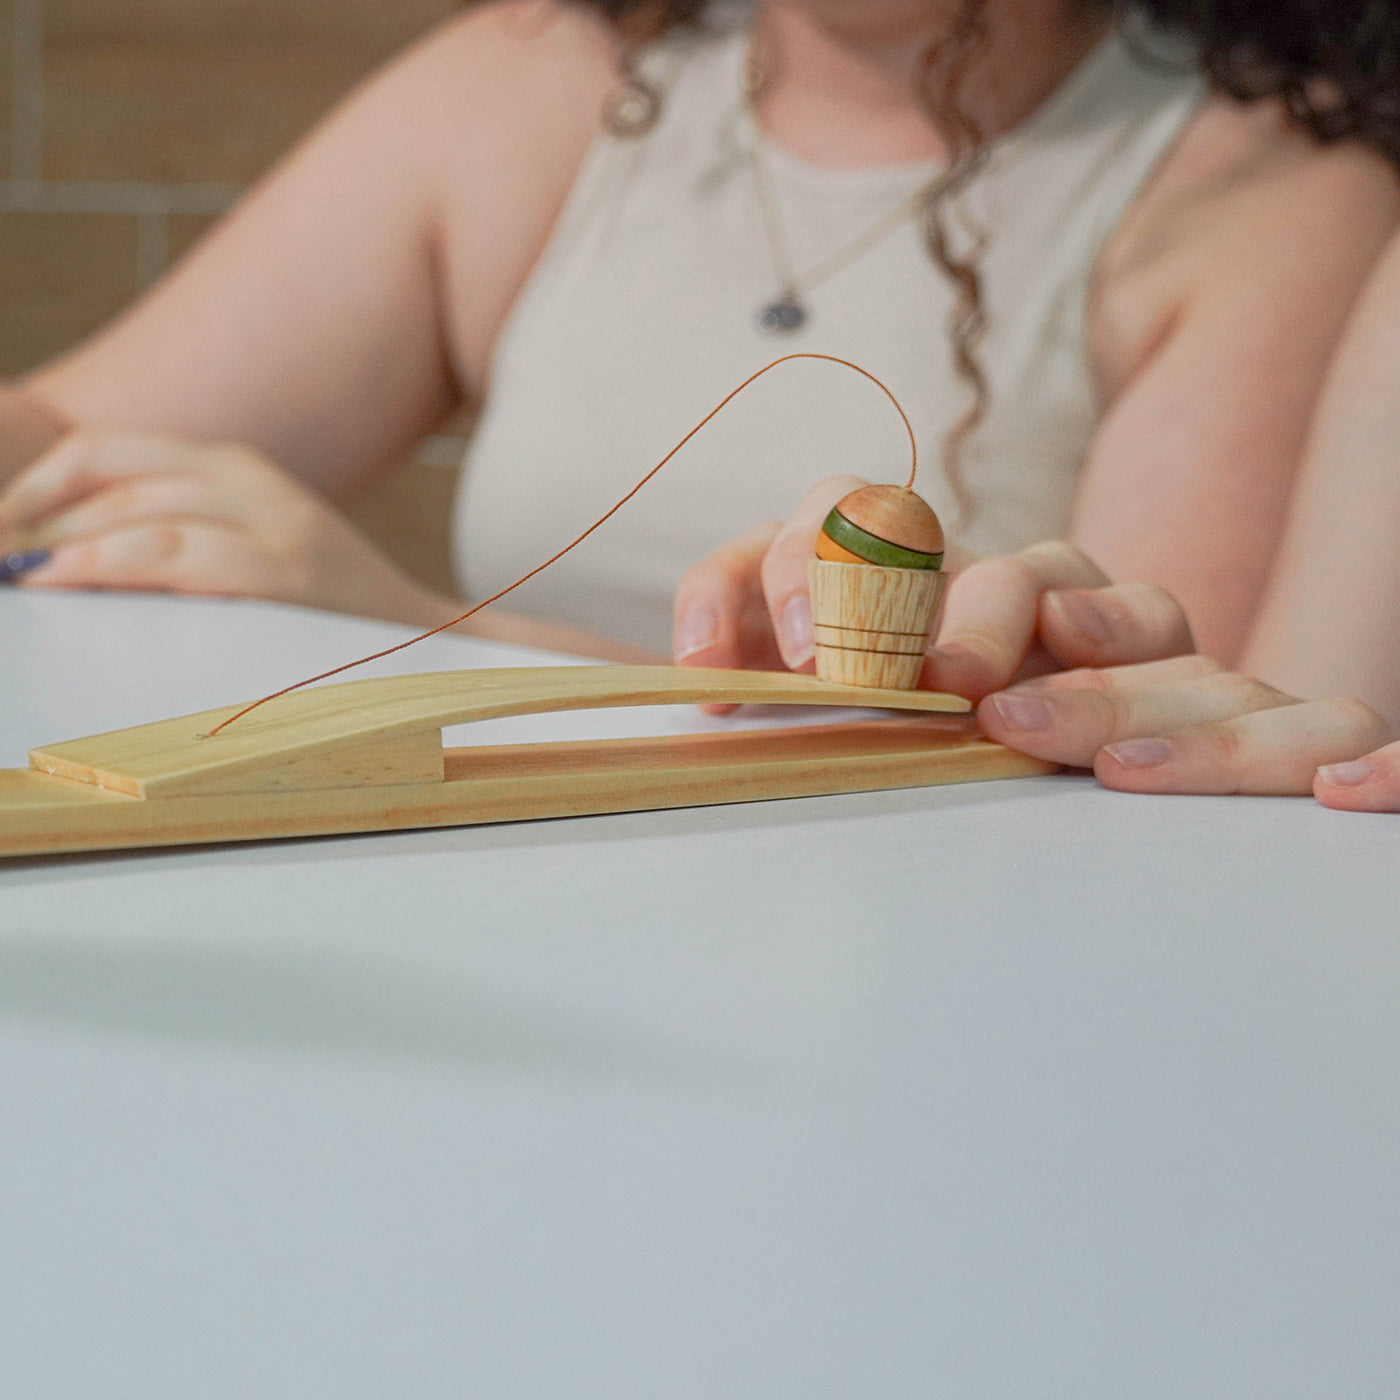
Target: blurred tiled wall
{"points": [[126, 126]]}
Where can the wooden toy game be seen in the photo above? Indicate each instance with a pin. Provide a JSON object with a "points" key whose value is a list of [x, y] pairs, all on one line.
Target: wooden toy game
{"points": [[367, 755]]}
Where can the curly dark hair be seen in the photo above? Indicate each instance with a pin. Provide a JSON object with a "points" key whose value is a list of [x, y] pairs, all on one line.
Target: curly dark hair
{"points": [[1334, 64]]}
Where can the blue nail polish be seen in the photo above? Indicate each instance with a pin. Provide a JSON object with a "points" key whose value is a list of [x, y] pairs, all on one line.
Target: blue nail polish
{"points": [[13, 566]]}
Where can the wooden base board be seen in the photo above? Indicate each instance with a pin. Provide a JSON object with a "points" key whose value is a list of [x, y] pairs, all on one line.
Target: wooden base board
{"points": [[44, 815], [74, 799]]}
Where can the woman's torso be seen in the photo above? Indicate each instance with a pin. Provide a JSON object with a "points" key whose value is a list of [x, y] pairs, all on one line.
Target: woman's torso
{"points": [[642, 313]]}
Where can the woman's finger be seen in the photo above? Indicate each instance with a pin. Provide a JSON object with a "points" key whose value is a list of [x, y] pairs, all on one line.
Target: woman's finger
{"points": [[1273, 752], [719, 606], [1367, 784], [784, 573], [1069, 722], [1144, 675], [1114, 626], [167, 494], [991, 615], [720, 618], [85, 463], [167, 555]]}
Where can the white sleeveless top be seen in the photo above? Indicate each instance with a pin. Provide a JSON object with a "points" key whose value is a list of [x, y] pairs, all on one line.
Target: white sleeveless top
{"points": [[642, 313]]}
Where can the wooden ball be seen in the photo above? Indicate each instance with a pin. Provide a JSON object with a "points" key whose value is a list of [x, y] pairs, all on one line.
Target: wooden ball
{"points": [[885, 525]]}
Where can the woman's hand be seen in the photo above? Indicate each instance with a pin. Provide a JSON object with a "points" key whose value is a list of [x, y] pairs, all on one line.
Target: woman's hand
{"points": [[746, 606], [151, 513], [1068, 667], [1187, 725], [1044, 609]]}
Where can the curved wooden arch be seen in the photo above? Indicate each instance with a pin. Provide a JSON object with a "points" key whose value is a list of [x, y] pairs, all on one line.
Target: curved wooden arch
{"points": [[367, 755], [386, 731]]}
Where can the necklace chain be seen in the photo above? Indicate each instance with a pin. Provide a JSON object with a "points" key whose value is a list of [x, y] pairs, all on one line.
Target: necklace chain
{"points": [[788, 311]]}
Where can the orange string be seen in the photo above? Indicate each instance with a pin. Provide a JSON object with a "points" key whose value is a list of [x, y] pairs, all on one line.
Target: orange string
{"points": [[496, 597]]}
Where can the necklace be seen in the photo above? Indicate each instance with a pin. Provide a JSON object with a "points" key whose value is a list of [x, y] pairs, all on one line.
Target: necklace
{"points": [[788, 312]]}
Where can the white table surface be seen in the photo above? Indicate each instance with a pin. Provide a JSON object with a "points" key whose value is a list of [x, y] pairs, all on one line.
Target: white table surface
{"points": [[1019, 1089]]}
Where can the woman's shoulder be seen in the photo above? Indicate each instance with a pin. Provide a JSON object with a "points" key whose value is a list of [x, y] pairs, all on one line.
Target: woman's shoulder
{"points": [[508, 98], [498, 90], [1248, 173], [514, 60], [1246, 203]]}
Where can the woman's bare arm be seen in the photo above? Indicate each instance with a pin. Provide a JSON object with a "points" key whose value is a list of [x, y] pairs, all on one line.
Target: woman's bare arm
{"points": [[1217, 311], [1330, 620], [1329, 626], [342, 308]]}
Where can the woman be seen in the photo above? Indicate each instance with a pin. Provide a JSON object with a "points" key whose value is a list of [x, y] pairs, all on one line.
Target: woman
{"points": [[1166, 275]]}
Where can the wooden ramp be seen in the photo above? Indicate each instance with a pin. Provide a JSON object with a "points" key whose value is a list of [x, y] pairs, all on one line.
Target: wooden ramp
{"points": [[367, 755]]}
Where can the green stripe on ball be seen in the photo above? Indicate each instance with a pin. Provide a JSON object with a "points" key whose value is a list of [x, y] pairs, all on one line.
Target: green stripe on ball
{"points": [[873, 549]]}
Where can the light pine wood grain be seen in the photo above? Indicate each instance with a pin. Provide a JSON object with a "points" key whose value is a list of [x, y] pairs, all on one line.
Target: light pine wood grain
{"points": [[367, 756], [385, 732], [870, 623]]}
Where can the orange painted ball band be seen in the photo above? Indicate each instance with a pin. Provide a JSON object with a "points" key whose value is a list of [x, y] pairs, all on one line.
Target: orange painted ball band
{"points": [[833, 553]]}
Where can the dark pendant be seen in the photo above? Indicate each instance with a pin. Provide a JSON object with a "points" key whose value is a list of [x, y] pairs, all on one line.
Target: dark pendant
{"points": [[784, 315], [635, 110]]}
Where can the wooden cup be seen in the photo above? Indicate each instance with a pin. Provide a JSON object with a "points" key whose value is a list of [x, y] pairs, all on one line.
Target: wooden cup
{"points": [[871, 623]]}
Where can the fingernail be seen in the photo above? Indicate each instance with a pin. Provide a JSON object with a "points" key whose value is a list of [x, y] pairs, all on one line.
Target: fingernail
{"points": [[959, 668], [14, 566], [1086, 614], [1140, 753], [955, 652], [795, 631], [1352, 774], [699, 631], [1023, 711]]}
